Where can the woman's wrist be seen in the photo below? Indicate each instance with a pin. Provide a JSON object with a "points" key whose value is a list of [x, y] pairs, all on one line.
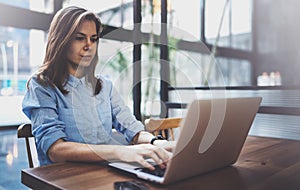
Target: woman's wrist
{"points": [[143, 137], [159, 142], [155, 138]]}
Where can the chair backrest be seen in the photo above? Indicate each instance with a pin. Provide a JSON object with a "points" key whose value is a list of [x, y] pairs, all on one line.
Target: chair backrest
{"points": [[24, 131], [162, 126]]}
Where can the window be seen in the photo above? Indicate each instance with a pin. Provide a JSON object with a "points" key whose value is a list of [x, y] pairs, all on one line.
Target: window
{"points": [[116, 65], [45, 6], [17, 3], [118, 13], [235, 25], [21, 52]]}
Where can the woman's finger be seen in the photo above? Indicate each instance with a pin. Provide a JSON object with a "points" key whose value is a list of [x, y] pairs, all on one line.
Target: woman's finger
{"points": [[162, 154], [141, 160]]}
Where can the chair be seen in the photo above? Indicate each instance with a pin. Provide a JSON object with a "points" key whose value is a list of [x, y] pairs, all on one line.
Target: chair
{"points": [[163, 126], [24, 131]]}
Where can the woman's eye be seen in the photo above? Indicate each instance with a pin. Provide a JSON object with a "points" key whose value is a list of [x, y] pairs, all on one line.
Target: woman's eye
{"points": [[82, 38], [79, 38], [94, 39]]}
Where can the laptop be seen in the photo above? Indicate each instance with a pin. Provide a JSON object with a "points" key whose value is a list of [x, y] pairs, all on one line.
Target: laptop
{"points": [[211, 137]]}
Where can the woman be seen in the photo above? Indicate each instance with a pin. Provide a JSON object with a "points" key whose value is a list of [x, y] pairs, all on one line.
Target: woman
{"points": [[72, 111]]}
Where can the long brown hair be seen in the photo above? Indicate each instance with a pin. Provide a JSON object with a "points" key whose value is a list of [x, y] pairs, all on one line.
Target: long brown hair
{"points": [[54, 69]]}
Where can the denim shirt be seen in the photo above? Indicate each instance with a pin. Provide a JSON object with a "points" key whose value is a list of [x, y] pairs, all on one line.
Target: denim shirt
{"points": [[78, 116]]}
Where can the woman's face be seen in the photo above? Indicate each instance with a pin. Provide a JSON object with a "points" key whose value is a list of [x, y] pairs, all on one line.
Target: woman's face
{"points": [[82, 48]]}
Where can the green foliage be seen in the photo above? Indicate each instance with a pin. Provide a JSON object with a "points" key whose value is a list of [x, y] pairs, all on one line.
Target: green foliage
{"points": [[119, 63]]}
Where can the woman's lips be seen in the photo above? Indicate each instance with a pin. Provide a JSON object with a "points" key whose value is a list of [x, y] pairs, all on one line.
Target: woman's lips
{"points": [[86, 57]]}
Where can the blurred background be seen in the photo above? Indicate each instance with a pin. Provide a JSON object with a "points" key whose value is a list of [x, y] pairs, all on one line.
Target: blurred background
{"points": [[237, 47]]}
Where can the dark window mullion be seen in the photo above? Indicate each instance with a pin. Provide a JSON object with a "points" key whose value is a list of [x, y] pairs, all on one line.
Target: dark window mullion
{"points": [[137, 94], [164, 60]]}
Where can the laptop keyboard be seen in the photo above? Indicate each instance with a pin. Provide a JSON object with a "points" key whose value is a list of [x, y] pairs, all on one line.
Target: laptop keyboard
{"points": [[157, 172]]}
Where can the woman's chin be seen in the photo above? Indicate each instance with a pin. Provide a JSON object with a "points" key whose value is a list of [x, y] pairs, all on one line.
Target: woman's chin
{"points": [[84, 63]]}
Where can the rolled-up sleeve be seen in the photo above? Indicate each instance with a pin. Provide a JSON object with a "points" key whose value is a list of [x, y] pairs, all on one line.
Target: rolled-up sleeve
{"points": [[123, 119], [40, 106]]}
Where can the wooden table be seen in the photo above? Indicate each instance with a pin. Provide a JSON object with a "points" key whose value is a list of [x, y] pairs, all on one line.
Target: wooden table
{"points": [[265, 163]]}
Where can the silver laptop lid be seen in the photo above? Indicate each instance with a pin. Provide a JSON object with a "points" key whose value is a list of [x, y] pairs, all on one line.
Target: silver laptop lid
{"points": [[212, 135]]}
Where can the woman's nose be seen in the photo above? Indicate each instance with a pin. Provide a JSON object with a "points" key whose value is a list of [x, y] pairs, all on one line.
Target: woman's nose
{"points": [[86, 47], [88, 44]]}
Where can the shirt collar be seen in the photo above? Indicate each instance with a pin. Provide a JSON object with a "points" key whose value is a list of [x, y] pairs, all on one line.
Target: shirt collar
{"points": [[74, 81]]}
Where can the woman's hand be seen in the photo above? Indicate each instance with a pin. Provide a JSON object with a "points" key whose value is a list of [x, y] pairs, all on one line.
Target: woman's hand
{"points": [[139, 153], [145, 137], [167, 145]]}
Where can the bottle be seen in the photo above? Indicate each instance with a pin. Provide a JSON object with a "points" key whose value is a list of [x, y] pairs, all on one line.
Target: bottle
{"points": [[277, 78], [264, 79], [259, 80], [272, 79]]}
